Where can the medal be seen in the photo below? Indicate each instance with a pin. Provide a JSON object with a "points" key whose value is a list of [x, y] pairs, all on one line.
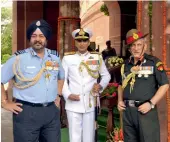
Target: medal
{"points": [[49, 65], [49, 68], [55, 66], [135, 69], [47, 76]]}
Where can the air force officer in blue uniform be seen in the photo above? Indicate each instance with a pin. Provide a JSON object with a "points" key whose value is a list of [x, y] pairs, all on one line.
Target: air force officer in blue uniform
{"points": [[35, 72]]}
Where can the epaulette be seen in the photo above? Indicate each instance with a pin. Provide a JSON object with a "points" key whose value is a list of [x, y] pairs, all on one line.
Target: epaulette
{"points": [[152, 58], [53, 52], [94, 52], [69, 53], [20, 52], [149, 57]]}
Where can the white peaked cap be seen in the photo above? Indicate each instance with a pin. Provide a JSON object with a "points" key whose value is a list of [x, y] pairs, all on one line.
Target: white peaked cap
{"points": [[85, 30]]}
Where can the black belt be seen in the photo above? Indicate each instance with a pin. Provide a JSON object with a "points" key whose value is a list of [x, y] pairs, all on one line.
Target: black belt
{"points": [[34, 104], [133, 103]]}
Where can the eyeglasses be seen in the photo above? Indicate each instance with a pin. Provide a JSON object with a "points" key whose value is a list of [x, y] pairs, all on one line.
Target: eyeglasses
{"points": [[81, 40]]}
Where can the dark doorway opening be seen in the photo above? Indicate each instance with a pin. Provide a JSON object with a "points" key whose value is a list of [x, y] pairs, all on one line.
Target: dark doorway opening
{"points": [[128, 21], [50, 14]]}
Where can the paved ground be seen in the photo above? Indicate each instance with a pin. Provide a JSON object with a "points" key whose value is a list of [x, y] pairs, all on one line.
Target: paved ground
{"points": [[6, 122], [7, 135], [6, 126]]}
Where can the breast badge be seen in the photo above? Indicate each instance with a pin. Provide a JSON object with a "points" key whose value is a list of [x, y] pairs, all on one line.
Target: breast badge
{"points": [[55, 66], [142, 70], [92, 66], [49, 65]]}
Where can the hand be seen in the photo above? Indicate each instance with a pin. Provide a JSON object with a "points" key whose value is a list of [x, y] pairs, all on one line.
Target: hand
{"points": [[74, 97], [96, 88], [121, 106], [13, 107], [144, 108], [57, 101]]}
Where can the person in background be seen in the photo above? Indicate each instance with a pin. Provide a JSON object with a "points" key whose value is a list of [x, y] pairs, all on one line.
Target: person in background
{"points": [[109, 51]]}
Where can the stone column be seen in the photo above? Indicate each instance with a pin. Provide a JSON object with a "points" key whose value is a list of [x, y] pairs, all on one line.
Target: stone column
{"points": [[14, 26], [157, 28], [144, 28], [67, 22]]}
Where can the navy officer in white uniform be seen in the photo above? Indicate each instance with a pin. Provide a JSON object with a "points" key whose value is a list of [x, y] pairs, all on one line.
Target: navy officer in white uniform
{"points": [[82, 69], [35, 72]]}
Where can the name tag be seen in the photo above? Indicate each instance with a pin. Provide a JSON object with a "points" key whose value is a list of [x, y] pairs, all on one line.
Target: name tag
{"points": [[30, 67]]}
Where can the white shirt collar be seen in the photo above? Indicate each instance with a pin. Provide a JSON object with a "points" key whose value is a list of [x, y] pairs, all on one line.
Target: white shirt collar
{"points": [[85, 54]]}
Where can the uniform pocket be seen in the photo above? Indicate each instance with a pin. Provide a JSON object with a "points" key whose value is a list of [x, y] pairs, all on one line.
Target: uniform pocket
{"points": [[30, 71]]}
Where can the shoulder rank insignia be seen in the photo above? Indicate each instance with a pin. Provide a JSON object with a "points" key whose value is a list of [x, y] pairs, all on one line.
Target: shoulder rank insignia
{"points": [[159, 66], [69, 53], [53, 52], [20, 52]]}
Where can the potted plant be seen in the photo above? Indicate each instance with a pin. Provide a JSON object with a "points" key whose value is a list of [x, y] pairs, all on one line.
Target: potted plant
{"points": [[114, 62], [116, 135], [110, 90]]}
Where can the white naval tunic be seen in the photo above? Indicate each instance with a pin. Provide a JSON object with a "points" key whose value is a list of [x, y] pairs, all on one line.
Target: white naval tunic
{"points": [[80, 115], [81, 83]]}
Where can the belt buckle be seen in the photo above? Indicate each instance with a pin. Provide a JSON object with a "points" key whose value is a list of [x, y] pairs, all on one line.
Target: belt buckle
{"points": [[131, 103], [45, 104]]}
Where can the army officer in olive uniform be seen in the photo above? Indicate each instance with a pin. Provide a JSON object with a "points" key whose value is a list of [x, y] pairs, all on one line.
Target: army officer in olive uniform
{"points": [[144, 84]]}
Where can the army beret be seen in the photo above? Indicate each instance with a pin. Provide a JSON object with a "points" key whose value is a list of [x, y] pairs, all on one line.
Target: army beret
{"points": [[42, 25], [133, 35], [81, 34]]}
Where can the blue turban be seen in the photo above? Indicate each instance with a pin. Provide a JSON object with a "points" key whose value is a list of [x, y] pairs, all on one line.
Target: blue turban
{"points": [[42, 25]]}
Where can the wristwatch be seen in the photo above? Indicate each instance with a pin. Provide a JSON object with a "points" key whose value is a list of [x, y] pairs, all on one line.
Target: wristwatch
{"points": [[152, 105], [59, 95]]}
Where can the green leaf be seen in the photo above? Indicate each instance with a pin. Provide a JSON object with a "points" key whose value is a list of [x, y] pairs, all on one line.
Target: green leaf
{"points": [[5, 58], [6, 33]]}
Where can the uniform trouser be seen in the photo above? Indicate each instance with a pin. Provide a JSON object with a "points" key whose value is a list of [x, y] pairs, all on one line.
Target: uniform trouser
{"points": [[37, 124], [81, 126], [140, 127]]}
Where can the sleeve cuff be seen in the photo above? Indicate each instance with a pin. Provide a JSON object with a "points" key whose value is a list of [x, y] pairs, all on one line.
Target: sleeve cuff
{"points": [[66, 96]]}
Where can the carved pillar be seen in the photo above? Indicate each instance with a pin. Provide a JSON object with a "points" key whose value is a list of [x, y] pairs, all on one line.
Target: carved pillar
{"points": [[112, 101], [14, 27], [68, 21]]}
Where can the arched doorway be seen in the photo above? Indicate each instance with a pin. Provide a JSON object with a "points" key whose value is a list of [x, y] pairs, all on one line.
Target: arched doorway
{"points": [[128, 21], [122, 18]]}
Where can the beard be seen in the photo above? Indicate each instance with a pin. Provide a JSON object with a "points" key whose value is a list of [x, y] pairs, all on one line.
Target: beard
{"points": [[38, 45]]}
